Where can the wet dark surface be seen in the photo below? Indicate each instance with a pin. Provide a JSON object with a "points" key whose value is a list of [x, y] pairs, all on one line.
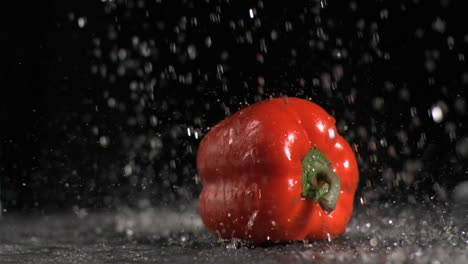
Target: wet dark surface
{"points": [[384, 233]]}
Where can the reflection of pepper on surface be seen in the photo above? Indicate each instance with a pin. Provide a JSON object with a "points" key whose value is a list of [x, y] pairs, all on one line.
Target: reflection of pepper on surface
{"points": [[277, 171]]}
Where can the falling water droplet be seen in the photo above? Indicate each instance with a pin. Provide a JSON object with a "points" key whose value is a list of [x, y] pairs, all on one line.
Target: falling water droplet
{"points": [[373, 242], [252, 219], [437, 113], [192, 52], [252, 13], [104, 141], [81, 22]]}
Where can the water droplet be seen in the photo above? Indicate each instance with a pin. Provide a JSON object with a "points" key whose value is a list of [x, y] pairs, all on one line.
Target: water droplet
{"points": [[129, 232], [331, 133], [104, 141], [273, 35], [346, 164], [460, 192], [320, 126], [384, 14], [288, 26], [192, 52], [234, 244], [450, 42], [252, 13], [154, 121], [336, 53], [111, 102], [208, 41], [362, 200], [439, 25], [81, 22], [128, 170], [437, 113], [462, 147], [323, 3], [252, 219], [373, 242]]}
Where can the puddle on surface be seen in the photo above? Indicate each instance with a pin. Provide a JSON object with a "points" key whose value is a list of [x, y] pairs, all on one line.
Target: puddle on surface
{"points": [[376, 234]]}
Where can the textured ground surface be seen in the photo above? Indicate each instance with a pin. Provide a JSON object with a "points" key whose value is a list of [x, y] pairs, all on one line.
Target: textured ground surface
{"points": [[382, 234]]}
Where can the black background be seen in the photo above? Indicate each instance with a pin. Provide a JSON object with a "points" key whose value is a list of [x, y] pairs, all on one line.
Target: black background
{"points": [[399, 59]]}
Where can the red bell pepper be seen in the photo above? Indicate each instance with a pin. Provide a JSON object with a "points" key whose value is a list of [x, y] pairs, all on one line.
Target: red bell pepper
{"points": [[276, 171]]}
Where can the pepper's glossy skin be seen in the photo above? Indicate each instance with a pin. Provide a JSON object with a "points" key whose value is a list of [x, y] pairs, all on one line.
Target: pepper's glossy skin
{"points": [[251, 168]]}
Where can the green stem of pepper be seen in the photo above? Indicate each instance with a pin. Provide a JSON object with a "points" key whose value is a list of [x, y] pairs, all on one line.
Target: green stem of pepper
{"points": [[319, 182]]}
